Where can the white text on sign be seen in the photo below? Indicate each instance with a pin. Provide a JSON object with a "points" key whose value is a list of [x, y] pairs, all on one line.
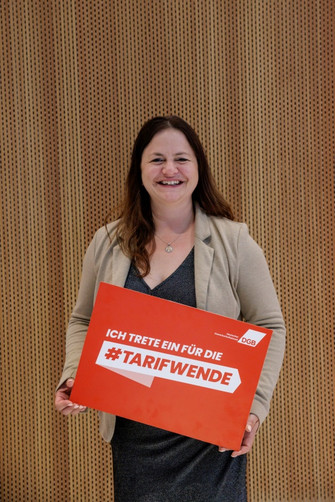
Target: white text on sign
{"points": [[181, 369]]}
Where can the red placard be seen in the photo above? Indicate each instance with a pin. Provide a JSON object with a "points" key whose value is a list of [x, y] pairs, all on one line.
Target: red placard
{"points": [[170, 366]]}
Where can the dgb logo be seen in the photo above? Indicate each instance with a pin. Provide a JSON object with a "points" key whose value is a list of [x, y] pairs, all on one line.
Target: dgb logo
{"points": [[248, 341], [251, 338]]}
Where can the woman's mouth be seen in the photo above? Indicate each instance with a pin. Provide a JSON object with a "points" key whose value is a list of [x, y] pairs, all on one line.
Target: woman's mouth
{"points": [[170, 183]]}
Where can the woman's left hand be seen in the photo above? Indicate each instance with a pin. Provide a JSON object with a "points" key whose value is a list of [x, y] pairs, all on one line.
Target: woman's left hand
{"points": [[248, 438]]}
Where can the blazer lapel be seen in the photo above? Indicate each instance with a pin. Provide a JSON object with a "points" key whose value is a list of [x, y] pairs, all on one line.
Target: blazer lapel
{"points": [[203, 258], [121, 264]]}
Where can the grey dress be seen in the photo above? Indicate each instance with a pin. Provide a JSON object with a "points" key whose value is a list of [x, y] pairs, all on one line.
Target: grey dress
{"points": [[154, 465]]}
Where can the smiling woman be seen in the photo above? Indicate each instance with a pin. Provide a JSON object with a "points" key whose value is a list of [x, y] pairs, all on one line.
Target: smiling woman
{"points": [[175, 239], [169, 171], [168, 175]]}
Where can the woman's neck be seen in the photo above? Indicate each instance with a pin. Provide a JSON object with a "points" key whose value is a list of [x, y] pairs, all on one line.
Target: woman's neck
{"points": [[174, 219]]}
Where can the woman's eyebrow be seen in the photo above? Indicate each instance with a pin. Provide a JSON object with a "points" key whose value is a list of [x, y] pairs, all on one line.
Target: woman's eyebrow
{"points": [[178, 153]]}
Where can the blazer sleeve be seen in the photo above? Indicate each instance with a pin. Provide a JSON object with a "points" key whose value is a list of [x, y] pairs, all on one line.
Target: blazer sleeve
{"points": [[80, 317], [260, 306]]}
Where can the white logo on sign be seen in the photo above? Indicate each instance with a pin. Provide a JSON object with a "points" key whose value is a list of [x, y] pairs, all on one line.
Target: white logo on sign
{"points": [[252, 338]]}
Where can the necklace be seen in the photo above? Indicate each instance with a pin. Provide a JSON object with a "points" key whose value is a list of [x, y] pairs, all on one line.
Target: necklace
{"points": [[168, 248]]}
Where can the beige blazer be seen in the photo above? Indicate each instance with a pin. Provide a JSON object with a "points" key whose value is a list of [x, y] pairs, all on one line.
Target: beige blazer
{"points": [[231, 279]]}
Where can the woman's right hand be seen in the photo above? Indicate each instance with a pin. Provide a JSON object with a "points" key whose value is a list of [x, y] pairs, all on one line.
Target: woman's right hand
{"points": [[62, 401]]}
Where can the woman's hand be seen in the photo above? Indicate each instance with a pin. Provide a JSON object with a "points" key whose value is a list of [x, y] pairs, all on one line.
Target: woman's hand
{"points": [[62, 401], [248, 438]]}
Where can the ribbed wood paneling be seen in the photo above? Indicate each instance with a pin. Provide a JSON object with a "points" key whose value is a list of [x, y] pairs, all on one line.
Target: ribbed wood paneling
{"points": [[78, 78]]}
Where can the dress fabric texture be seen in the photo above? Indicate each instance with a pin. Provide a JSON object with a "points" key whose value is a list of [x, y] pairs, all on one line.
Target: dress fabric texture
{"points": [[154, 465]]}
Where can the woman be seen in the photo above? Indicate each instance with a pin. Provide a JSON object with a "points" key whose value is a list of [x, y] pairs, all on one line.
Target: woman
{"points": [[176, 239]]}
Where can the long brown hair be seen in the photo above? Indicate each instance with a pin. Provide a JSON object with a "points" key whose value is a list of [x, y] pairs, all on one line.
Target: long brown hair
{"points": [[135, 229]]}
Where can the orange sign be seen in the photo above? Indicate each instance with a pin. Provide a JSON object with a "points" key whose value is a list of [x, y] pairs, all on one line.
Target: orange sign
{"points": [[171, 366]]}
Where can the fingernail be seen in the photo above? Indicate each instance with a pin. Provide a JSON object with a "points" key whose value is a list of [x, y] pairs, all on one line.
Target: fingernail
{"points": [[248, 428], [222, 449]]}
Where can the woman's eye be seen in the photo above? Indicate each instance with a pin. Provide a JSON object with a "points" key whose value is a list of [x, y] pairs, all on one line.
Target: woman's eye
{"points": [[182, 159], [157, 160]]}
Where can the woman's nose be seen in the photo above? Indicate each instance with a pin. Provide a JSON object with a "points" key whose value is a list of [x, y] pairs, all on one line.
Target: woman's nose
{"points": [[169, 168]]}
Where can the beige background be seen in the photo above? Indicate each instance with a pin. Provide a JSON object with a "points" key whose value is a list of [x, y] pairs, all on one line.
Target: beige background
{"points": [[256, 80]]}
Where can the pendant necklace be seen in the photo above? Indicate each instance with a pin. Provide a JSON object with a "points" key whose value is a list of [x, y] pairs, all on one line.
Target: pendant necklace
{"points": [[168, 248]]}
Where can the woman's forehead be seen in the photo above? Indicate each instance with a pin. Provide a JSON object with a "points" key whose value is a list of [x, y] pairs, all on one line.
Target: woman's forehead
{"points": [[168, 140]]}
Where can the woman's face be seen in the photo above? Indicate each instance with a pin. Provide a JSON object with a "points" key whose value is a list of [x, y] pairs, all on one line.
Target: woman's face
{"points": [[169, 169]]}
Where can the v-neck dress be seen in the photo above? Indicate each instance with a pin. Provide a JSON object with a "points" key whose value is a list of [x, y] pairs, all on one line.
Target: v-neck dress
{"points": [[154, 465]]}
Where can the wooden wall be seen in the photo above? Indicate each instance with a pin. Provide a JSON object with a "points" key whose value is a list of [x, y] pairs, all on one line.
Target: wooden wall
{"points": [[78, 78]]}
